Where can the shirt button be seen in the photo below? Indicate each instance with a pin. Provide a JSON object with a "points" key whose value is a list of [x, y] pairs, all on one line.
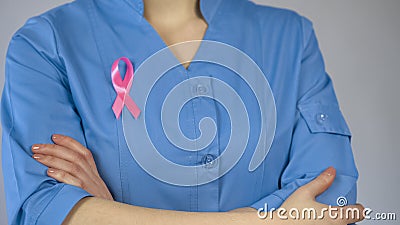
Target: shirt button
{"points": [[201, 89], [209, 161], [321, 118]]}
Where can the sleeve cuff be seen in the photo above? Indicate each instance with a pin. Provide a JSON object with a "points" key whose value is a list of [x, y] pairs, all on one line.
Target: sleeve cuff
{"points": [[276, 199], [268, 203], [344, 188], [342, 192], [59, 207]]}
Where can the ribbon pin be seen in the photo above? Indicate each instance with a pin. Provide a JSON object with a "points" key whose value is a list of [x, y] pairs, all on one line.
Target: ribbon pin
{"points": [[122, 87]]}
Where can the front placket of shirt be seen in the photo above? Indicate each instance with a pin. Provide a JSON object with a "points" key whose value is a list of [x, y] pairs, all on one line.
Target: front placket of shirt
{"points": [[209, 193], [203, 197]]}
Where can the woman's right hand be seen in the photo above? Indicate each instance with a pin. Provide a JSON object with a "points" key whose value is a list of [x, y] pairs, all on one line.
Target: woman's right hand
{"points": [[301, 202], [304, 198]]}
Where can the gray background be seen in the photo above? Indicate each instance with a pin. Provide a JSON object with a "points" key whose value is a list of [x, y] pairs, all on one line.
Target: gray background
{"points": [[360, 42]]}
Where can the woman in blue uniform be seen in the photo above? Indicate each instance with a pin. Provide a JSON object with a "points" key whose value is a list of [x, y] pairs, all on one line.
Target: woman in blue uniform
{"points": [[75, 118]]}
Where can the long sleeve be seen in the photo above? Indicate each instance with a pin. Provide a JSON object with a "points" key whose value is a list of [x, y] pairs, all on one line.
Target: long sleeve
{"points": [[36, 103], [321, 137]]}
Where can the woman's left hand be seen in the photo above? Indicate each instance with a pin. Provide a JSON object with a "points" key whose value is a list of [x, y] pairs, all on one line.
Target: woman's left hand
{"points": [[71, 163]]}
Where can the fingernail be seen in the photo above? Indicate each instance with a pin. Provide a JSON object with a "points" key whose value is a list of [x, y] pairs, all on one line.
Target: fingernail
{"points": [[37, 156], [330, 171], [51, 170], [57, 136], [35, 148]]}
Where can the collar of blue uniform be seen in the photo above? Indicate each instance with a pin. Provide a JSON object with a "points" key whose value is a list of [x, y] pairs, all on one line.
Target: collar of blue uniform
{"points": [[208, 7]]}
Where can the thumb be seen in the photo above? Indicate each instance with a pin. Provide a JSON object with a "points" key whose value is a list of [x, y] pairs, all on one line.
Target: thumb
{"points": [[321, 183]]}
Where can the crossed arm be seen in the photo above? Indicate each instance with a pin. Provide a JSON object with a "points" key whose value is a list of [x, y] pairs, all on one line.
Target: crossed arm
{"points": [[71, 163]]}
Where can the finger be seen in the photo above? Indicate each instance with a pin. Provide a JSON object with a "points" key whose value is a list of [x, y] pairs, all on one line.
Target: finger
{"points": [[68, 142], [66, 154], [64, 177], [60, 164], [321, 183], [72, 144], [57, 151]]}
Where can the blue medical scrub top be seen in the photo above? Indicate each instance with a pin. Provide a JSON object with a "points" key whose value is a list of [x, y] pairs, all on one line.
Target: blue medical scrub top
{"points": [[58, 81]]}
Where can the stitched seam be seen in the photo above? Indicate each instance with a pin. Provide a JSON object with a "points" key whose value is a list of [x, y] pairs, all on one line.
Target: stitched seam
{"points": [[263, 162], [10, 132], [305, 42], [92, 16], [57, 46]]}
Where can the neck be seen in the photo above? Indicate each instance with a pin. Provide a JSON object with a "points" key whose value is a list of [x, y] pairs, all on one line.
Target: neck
{"points": [[171, 10]]}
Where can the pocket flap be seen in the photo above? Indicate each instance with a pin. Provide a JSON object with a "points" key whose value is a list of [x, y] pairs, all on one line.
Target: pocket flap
{"points": [[324, 119]]}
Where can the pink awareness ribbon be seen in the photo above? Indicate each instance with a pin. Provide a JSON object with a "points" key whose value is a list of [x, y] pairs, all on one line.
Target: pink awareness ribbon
{"points": [[122, 87]]}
